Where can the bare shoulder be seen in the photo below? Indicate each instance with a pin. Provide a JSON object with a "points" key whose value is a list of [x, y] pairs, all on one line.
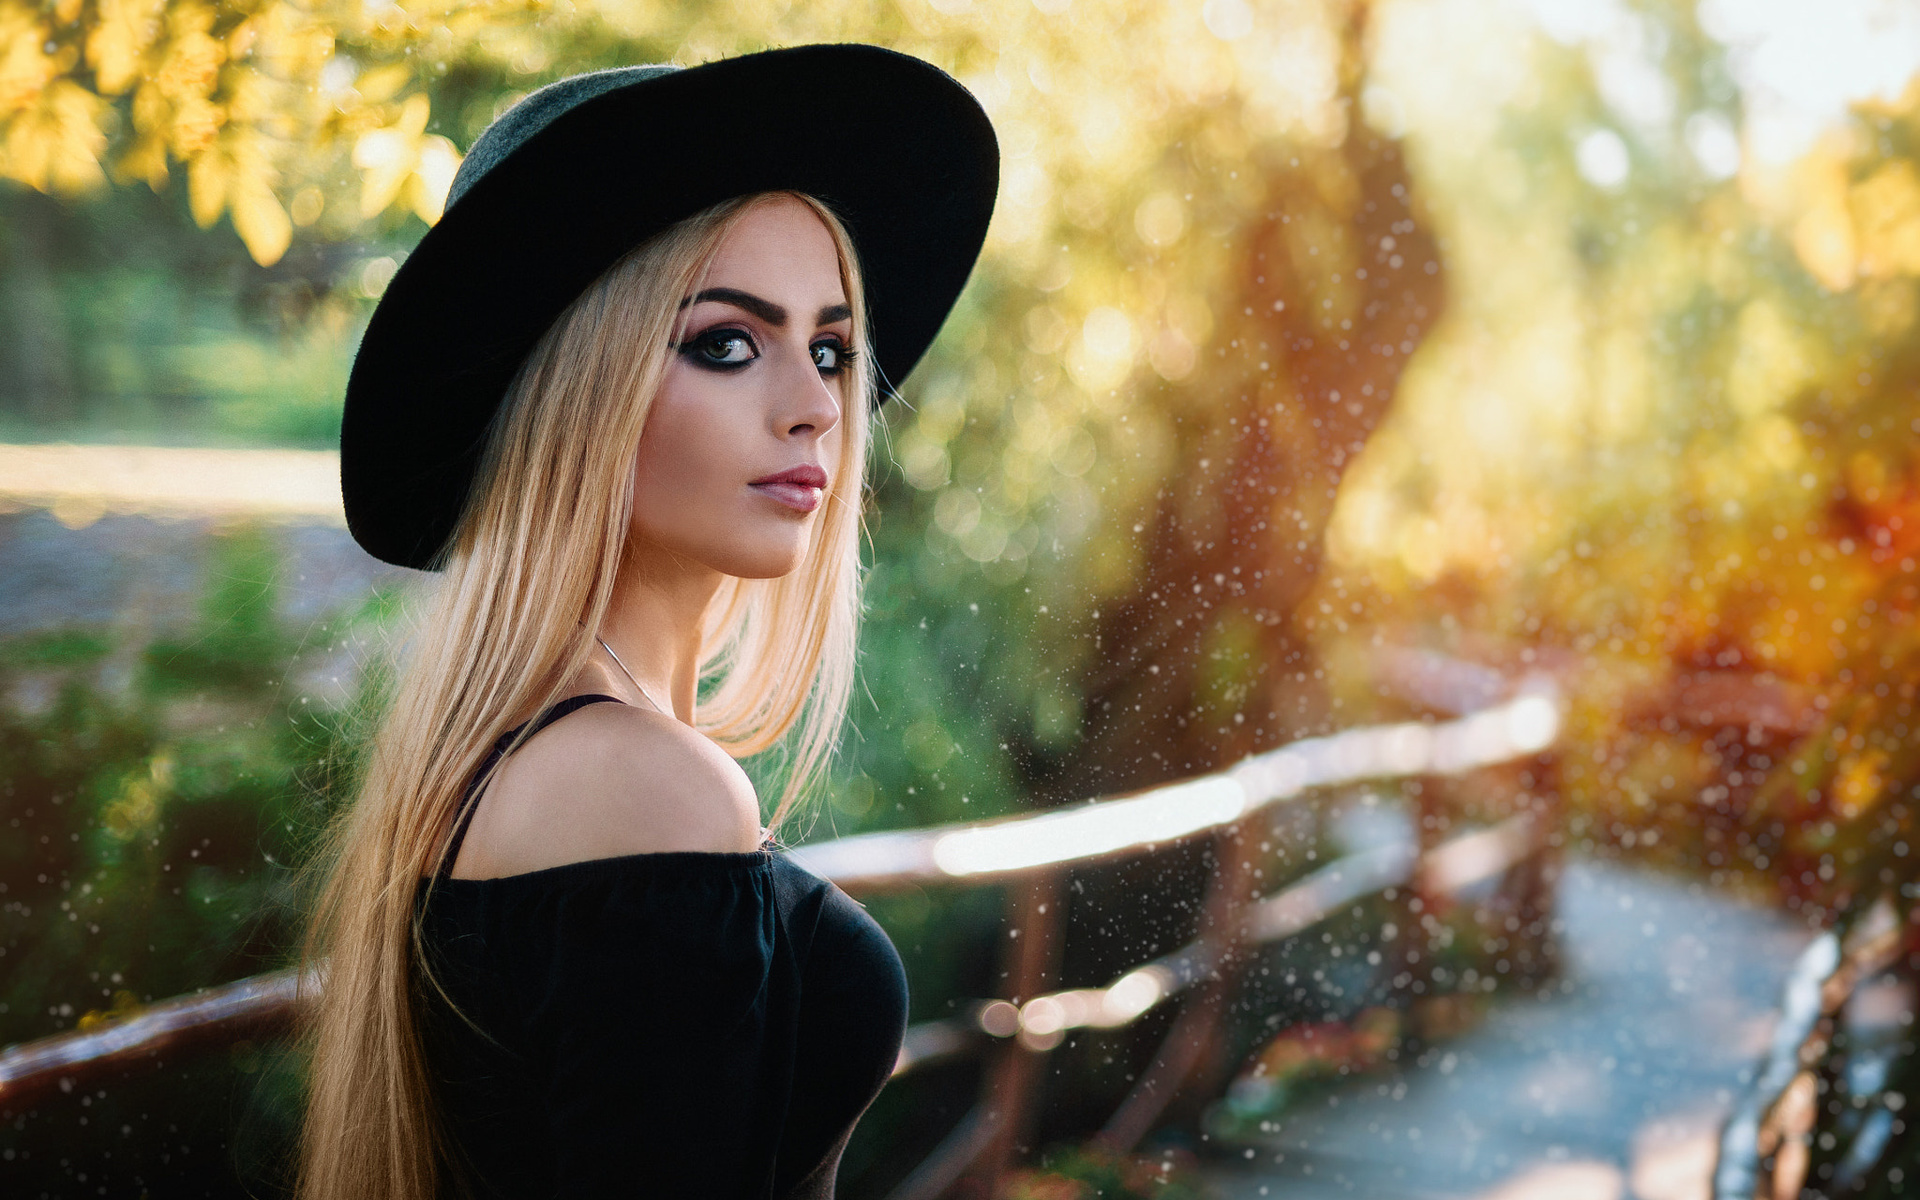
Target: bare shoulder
{"points": [[608, 780]]}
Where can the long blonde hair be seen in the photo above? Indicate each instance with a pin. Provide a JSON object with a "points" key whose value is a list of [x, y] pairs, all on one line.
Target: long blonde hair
{"points": [[528, 579]]}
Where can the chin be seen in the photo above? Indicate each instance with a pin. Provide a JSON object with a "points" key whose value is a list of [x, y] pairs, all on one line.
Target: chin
{"points": [[763, 561], [746, 548], [763, 570]]}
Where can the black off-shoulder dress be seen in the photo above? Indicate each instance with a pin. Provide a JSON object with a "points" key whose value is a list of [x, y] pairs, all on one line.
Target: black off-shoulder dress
{"points": [[655, 1025]]}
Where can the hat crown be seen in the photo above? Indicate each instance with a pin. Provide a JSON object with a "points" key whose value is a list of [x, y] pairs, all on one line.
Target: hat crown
{"points": [[537, 110]]}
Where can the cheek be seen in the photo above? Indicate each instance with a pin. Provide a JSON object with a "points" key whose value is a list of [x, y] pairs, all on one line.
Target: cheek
{"points": [[686, 442]]}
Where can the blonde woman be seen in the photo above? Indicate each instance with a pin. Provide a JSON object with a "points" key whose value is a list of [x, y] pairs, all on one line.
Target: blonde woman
{"points": [[620, 398]]}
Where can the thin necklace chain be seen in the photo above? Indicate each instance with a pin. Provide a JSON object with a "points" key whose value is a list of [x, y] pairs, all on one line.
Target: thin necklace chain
{"points": [[628, 674]]}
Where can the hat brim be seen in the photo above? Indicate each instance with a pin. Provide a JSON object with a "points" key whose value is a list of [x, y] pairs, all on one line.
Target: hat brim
{"points": [[897, 148]]}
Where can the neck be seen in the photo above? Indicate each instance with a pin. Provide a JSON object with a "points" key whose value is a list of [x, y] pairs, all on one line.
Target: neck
{"points": [[659, 603]]}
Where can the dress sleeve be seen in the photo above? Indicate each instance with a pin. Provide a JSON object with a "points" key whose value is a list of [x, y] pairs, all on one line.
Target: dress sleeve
{"points": [[655, 1012]]}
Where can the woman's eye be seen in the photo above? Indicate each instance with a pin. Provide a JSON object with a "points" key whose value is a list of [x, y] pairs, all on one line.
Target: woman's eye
{"points": [[831, 357], [721, 348]]}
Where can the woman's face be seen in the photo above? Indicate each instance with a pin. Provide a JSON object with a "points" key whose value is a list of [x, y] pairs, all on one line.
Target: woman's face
{"points": [[741, 443]]}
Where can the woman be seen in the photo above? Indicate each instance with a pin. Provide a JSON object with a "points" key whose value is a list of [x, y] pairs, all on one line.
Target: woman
{"points": [[620, 396]]}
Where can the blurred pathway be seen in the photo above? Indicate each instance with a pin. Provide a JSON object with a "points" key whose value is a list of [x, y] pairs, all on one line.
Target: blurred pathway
{"points": [[135, 576], [1612, 1089], [149, 571], [84, 483]]}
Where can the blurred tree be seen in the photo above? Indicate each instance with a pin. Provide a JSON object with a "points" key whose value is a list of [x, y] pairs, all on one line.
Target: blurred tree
{"points": [[1664, 444], [1336, 279]]}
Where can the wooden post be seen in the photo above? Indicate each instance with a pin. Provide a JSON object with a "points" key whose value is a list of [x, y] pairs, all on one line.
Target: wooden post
{"points": [[1194, 1046], [1420, 906], [1542, 901], [1031, 966]]}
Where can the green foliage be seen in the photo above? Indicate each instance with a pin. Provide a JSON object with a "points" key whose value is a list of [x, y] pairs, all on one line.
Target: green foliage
{"points": [[238, 647], [124, 323], [60, 648], [155, 828], [159, 801]]}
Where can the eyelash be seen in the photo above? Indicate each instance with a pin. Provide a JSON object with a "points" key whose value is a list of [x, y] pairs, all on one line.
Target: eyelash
{"points": [[692, 346]]}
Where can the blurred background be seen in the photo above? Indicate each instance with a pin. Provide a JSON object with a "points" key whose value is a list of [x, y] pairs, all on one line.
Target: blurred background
{"points": [[1331, 363]]}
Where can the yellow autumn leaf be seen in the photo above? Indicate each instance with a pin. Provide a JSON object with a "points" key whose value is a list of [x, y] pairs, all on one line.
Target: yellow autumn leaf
{"points": [[1887, 208], [126, 29], [25, 68], [183, 19], [1823, 236], [289, 42], [196, 122], [250, 98], [191, 66], [432, 178], [387, 157], [1859, 785], [55, 144], [151, 110], [209, 175], [260, 221], [241, 38], [145, 161], [380, 84], [1823, 240]]}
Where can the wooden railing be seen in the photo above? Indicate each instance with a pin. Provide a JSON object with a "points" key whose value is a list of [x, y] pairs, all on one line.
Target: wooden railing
{"points": [[1822, 1116], [1032, 854], [1023, 1031]]}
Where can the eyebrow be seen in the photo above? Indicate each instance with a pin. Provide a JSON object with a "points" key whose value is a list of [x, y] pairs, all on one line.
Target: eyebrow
{"points": [[766, 310]]}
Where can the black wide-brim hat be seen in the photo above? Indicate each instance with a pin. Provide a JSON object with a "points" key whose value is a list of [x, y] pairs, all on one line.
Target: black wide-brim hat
{"points": [[584, 170]]}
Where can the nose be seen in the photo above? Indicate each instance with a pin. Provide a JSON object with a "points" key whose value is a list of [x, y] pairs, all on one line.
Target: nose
{"points": [[809, 401]]}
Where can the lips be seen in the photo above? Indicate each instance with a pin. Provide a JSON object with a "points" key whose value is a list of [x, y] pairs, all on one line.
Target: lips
{"points": [[799, 488]]}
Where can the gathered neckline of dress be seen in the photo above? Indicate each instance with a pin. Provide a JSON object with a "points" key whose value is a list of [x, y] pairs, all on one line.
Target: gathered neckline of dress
{"points": [[622, 864]]}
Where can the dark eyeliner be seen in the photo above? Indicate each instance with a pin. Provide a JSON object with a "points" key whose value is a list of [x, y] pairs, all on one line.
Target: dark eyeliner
{"points": [[690, 348]]}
